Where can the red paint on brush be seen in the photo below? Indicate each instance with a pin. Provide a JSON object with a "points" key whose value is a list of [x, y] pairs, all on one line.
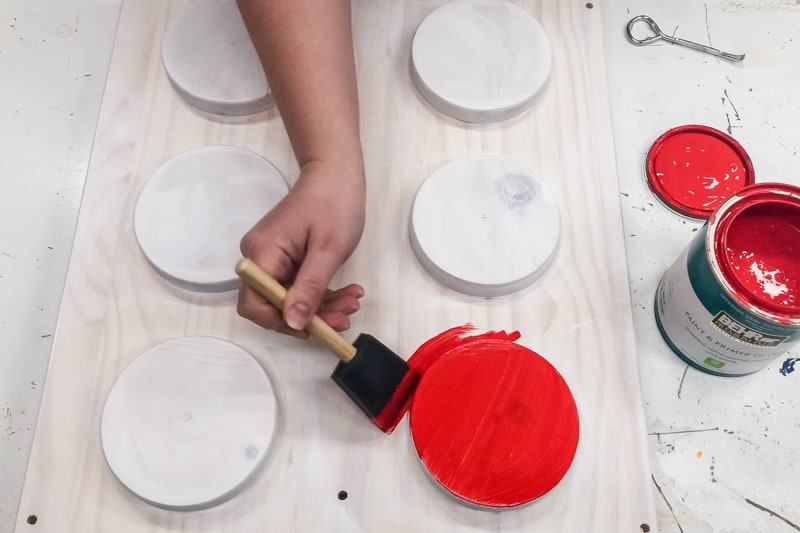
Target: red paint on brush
{"points": [[494, 423], [693, 169], [759, 251], [423, 358], [393, 412]]}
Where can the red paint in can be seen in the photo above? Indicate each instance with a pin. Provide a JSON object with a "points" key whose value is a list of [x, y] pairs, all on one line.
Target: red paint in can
{"points": [[758, 250]]}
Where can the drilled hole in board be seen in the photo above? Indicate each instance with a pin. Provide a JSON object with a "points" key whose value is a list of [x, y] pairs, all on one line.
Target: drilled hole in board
{"points": [[32, 519], [342, 495], [645, 528], [590, 5]]}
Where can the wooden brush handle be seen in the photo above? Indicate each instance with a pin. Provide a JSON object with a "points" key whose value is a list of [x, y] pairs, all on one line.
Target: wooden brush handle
{"points": [[275, 293]]}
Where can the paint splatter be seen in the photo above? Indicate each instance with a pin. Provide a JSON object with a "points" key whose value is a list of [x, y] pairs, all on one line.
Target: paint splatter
{"points": [[768, 279], [788, 366], [699, 454]]}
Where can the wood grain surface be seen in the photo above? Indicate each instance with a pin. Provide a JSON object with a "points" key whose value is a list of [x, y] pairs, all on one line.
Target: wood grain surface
{"points": [[578, 315], [480, 60], [189, 422], [194, 209]]}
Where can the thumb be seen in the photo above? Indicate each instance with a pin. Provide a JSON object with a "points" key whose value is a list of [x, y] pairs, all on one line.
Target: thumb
{"points": [[310, 285]]}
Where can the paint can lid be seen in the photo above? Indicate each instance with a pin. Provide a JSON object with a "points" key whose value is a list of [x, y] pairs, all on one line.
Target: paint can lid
{"points": [[693, 169]]}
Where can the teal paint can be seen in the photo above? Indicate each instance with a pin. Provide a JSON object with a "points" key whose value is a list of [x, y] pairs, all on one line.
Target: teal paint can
{"points": [[730, 303]]}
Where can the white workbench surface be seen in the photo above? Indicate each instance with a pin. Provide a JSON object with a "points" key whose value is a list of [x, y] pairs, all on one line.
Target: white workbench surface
{"points": [[723, 450]]}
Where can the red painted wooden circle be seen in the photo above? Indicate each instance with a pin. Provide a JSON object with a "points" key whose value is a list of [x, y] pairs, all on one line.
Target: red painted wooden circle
{"points": [[494, 423]]}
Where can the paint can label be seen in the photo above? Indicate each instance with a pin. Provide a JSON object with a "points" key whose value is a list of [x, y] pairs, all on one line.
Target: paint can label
{"points": [[707, 327]]}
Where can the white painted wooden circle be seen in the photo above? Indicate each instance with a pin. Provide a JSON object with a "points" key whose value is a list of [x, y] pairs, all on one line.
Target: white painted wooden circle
{"points": [[188, 422], [211, 61], [196, 207], [480, 60], [484, 225]]}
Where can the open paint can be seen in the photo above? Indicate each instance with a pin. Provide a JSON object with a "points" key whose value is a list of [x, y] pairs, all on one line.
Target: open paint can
{"points": [[730, 304]]}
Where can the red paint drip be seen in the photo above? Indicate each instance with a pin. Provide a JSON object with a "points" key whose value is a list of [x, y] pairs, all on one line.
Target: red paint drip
{"points": [[493, 422], [761, 247], [695, 168]]}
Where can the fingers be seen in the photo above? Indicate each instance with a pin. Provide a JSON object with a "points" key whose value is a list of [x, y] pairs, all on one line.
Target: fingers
{"points": [[285, 244], [338, 321], [338, 305], [344, 300], [310, 287], [334, 309], [273, 259], [255, 308]]}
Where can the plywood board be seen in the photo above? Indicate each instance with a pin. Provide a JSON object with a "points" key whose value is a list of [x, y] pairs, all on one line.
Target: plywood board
{"points": [[577, 315]]}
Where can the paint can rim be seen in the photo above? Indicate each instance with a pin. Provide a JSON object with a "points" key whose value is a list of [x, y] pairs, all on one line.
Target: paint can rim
{"points": [[670, 196], [716, 246]]}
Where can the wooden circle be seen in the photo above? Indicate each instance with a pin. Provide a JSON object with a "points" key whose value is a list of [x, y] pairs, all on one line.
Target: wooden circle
{"points": [[484, 225], [196, 207], [211, 62], [189, 422], [480, 60], [494, 424]]}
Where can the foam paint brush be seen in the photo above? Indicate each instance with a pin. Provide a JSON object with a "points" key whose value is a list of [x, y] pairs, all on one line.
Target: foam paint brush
{"points": [[378, 380]]}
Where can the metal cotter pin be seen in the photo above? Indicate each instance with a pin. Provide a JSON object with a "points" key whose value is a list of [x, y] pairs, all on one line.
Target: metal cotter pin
{"points": [[659, 35]]}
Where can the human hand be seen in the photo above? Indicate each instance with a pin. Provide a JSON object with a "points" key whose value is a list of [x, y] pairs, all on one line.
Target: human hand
{"points": [[302, 242]]}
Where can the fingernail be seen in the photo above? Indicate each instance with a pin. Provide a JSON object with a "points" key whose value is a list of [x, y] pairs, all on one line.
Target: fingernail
{"points": [[298, 315]]}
